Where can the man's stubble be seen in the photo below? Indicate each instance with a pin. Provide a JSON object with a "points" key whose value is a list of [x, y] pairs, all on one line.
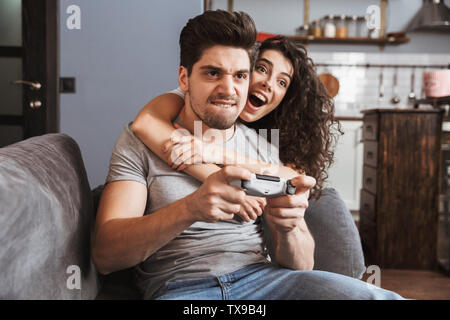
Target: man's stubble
{"points": [[213, 119]]}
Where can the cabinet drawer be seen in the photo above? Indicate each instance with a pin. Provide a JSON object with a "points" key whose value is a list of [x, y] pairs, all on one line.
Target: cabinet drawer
{"points": [[370, 153], [368, 226], [370, 179], [368, 203], [370, 127]]}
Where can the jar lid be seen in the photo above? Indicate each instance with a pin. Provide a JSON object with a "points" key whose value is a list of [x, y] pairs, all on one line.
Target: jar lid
{"points": [[303, 27]]}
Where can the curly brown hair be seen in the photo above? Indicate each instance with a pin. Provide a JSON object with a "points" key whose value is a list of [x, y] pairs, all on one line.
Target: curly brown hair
{"points": [[305, 117]]}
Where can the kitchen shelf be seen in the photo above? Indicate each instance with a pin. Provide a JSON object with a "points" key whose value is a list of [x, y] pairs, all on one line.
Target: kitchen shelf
{"points": [[374, 41], [435, 102]]}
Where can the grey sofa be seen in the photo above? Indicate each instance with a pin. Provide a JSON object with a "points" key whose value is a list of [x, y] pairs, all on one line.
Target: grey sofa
{"points": [[47, 214]]}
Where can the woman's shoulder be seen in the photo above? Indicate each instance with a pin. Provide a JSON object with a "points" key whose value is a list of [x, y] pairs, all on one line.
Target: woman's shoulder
{"points": [[244, 128], [178, 92]]}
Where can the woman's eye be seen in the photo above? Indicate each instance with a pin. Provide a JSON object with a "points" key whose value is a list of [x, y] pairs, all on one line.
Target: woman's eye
{"points": [[261, 68], [283, 83]]}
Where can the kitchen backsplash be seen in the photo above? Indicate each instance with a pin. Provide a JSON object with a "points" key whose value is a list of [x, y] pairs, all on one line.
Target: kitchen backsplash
{"points": [[359, 86]]}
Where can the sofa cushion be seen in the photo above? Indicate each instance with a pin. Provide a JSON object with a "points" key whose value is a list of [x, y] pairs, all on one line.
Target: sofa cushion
{"points": [[46, 218], [338, 244]]}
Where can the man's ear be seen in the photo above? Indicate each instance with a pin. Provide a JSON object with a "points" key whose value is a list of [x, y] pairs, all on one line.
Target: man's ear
{"points": [[183, 78]]}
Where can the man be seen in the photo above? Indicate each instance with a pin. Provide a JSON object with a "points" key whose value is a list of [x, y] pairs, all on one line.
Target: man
{"points": [[192, 244]]}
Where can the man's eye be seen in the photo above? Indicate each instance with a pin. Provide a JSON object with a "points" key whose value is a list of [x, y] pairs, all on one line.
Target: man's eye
{"points": [[213, 73], [241, 76]]}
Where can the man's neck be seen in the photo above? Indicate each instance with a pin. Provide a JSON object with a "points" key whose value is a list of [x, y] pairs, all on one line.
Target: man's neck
{"points": [[187, 118]]}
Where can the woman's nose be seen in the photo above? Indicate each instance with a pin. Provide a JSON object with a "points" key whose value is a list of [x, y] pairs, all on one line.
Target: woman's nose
{"points": [[267, 85]]}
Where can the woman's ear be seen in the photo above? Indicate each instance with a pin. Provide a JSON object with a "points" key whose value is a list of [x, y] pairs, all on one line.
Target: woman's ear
{"points": [[183, 79]]}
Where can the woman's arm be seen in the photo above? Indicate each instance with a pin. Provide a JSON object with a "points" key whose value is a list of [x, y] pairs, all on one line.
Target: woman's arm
{"points": [[261, 167], [189, 149], [153, 125]]}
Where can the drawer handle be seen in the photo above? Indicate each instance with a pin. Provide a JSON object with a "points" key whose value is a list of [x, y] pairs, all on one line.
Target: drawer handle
{"points": [[369, 128], [366, 206], [369, 180], [370, 154]]}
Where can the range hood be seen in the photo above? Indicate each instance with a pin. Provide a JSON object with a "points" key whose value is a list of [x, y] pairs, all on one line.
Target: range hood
{"points": [[434, 15]]}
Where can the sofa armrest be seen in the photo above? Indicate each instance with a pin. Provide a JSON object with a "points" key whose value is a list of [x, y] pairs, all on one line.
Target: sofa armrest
{"points": [[46, 214], [338, 244]]}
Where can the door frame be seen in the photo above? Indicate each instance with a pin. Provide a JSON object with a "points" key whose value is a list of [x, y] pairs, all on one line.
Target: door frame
{"points": [[52, 63], [40, 21]]}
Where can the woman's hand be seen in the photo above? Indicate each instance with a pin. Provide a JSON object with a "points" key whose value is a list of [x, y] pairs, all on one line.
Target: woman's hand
{"points": [[252, 208], [186, 150]]}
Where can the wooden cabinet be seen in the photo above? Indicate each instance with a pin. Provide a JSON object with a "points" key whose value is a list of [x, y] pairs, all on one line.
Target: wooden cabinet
{"points": [[399, 199]]}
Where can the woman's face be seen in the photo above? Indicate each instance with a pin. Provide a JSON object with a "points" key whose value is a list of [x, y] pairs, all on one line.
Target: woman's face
{"points": [[268, 85]]}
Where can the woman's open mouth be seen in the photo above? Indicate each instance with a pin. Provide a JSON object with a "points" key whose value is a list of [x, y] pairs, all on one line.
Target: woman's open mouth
{"points": [[256, 101]]}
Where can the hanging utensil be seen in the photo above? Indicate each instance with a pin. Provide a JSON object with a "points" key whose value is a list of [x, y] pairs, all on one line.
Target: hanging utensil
{"points": [[380, 85], [395, 98], [331, 83], [412, 95]]}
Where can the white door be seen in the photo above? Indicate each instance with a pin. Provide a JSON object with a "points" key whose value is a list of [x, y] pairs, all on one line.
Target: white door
{"points": [[345, 175]]}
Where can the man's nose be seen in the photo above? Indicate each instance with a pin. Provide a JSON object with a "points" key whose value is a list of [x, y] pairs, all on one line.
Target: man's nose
{"points": [[227, 85]]}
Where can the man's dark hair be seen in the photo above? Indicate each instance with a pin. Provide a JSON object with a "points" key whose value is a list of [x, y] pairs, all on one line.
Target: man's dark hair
{"points": [[218, 27]]}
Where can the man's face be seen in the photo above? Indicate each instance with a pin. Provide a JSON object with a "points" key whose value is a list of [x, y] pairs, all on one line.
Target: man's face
{"points": [[218, 85]]}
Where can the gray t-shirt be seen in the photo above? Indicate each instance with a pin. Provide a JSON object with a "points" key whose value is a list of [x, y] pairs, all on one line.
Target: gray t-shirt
{"points": [[204, 249]]}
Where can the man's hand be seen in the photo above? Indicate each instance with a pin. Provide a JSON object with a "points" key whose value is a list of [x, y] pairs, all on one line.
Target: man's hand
{"points": [[285, 214], [292, 242], [216, 200]]}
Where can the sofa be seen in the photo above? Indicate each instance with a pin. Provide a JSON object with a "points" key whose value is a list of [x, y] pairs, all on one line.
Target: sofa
{"points": [[47, 216]]}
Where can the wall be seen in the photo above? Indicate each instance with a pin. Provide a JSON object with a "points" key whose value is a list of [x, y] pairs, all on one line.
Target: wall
{"points": [[285, 16], [125, 53]]}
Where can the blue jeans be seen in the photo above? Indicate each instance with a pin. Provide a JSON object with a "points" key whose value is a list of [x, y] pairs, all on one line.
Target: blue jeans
{"points": [[263, 281]]}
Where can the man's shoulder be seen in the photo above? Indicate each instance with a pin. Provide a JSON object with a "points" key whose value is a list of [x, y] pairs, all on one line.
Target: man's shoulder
{"points": [[129, 143], [129, 140]]}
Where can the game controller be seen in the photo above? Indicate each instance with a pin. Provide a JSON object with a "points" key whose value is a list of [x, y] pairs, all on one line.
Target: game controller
{"points": [[265, 186]]}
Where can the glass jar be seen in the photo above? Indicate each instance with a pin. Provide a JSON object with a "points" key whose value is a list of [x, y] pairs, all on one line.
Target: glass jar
{"points": [[316, 30], [341, 27], [302, 30], [362, 30], [329, 29], [352, 30]]}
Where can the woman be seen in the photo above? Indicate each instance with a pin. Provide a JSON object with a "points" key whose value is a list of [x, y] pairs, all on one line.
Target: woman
{"points": [[285, 93]]}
